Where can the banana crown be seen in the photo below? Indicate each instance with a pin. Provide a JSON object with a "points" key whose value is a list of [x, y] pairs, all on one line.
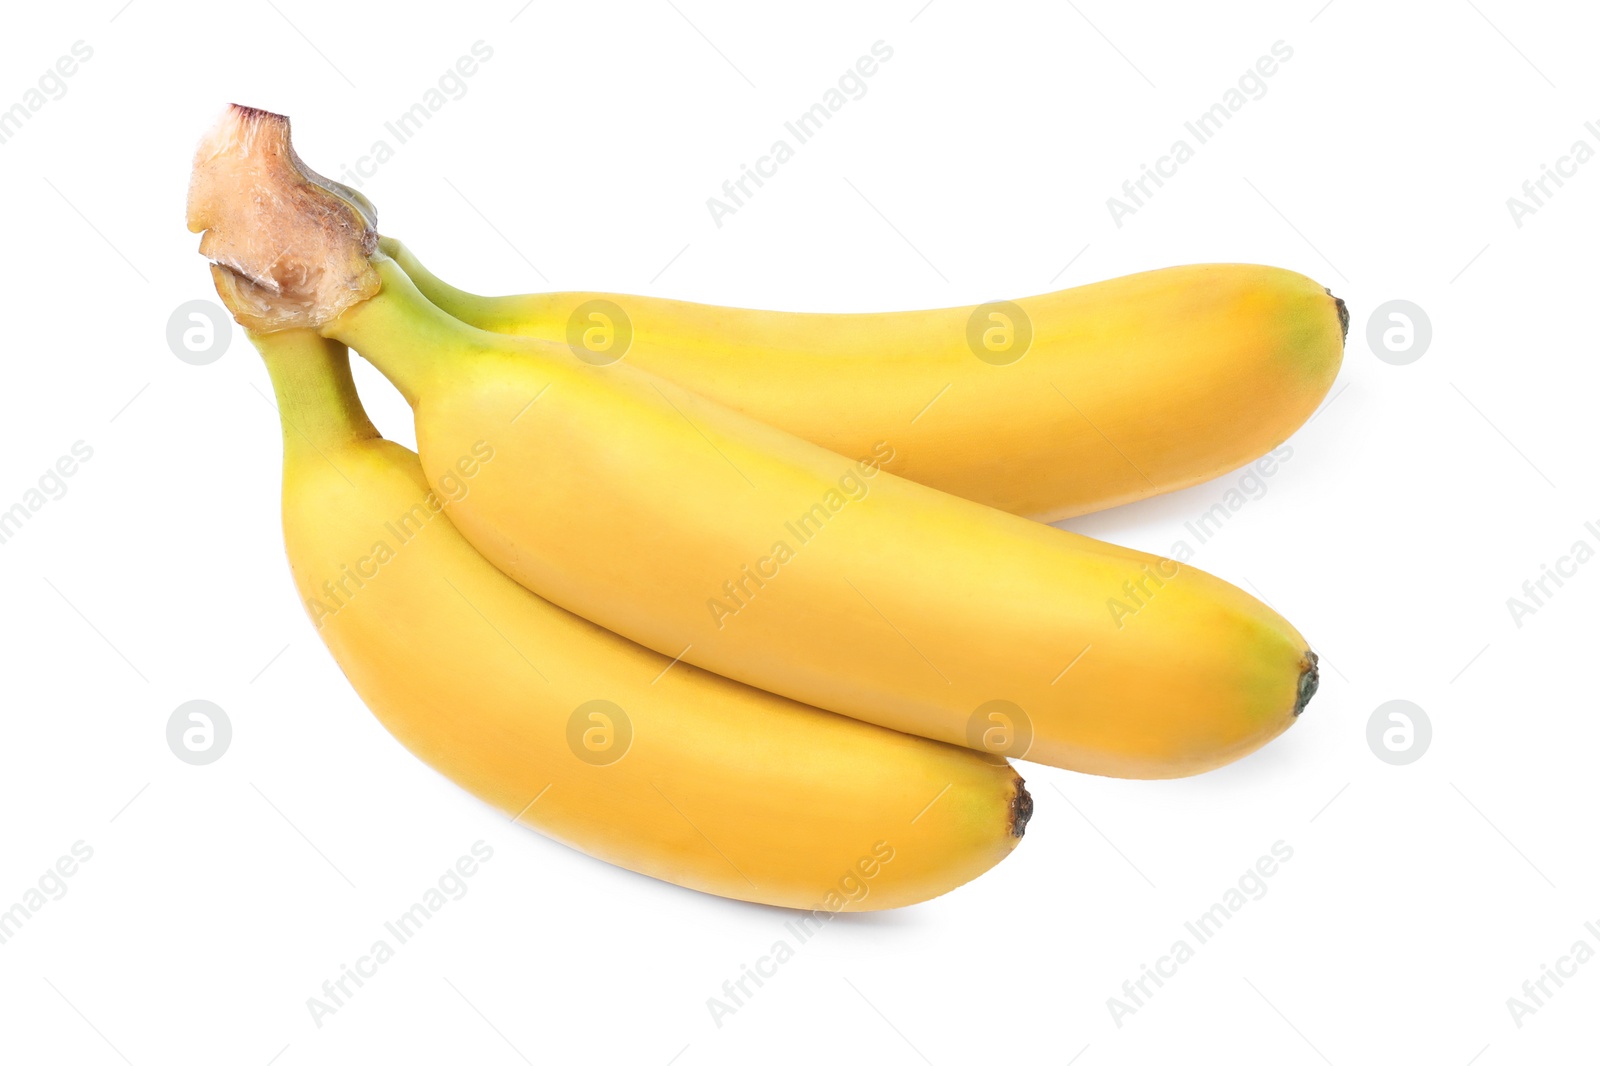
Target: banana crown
{"points": [[288, 247]]}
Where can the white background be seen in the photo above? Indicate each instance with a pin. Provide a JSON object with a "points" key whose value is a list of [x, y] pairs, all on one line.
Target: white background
{"points": [[977, 166]]}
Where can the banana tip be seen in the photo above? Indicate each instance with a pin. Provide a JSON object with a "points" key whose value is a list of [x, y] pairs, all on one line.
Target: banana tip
{"points": [[1021, 809], [1309, 677], [1344, 317]]}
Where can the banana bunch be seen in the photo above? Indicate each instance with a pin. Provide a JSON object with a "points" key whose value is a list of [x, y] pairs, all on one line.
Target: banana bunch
{"points": [[755, 602]]}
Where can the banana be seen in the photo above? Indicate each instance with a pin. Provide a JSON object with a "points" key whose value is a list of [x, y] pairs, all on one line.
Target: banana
{"points": [[1049, 406], [712, 538], [616, 751]]}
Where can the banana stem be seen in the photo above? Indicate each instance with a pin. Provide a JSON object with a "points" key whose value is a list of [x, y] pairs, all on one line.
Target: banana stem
{"points": [[467, 306], [317, 402], [401, 333]]}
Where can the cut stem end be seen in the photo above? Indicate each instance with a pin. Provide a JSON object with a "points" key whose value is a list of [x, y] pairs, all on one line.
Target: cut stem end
{"points": [[289, 247]]}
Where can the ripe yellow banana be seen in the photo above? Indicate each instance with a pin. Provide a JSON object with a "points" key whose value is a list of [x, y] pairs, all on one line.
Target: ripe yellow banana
{"points": [[612, 749], [1050, 406], [713, 538]]}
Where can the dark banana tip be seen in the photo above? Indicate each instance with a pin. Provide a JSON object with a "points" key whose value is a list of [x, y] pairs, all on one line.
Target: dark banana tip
{"points": [[1309, 678], [1021, 809], [1344, 335]]}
